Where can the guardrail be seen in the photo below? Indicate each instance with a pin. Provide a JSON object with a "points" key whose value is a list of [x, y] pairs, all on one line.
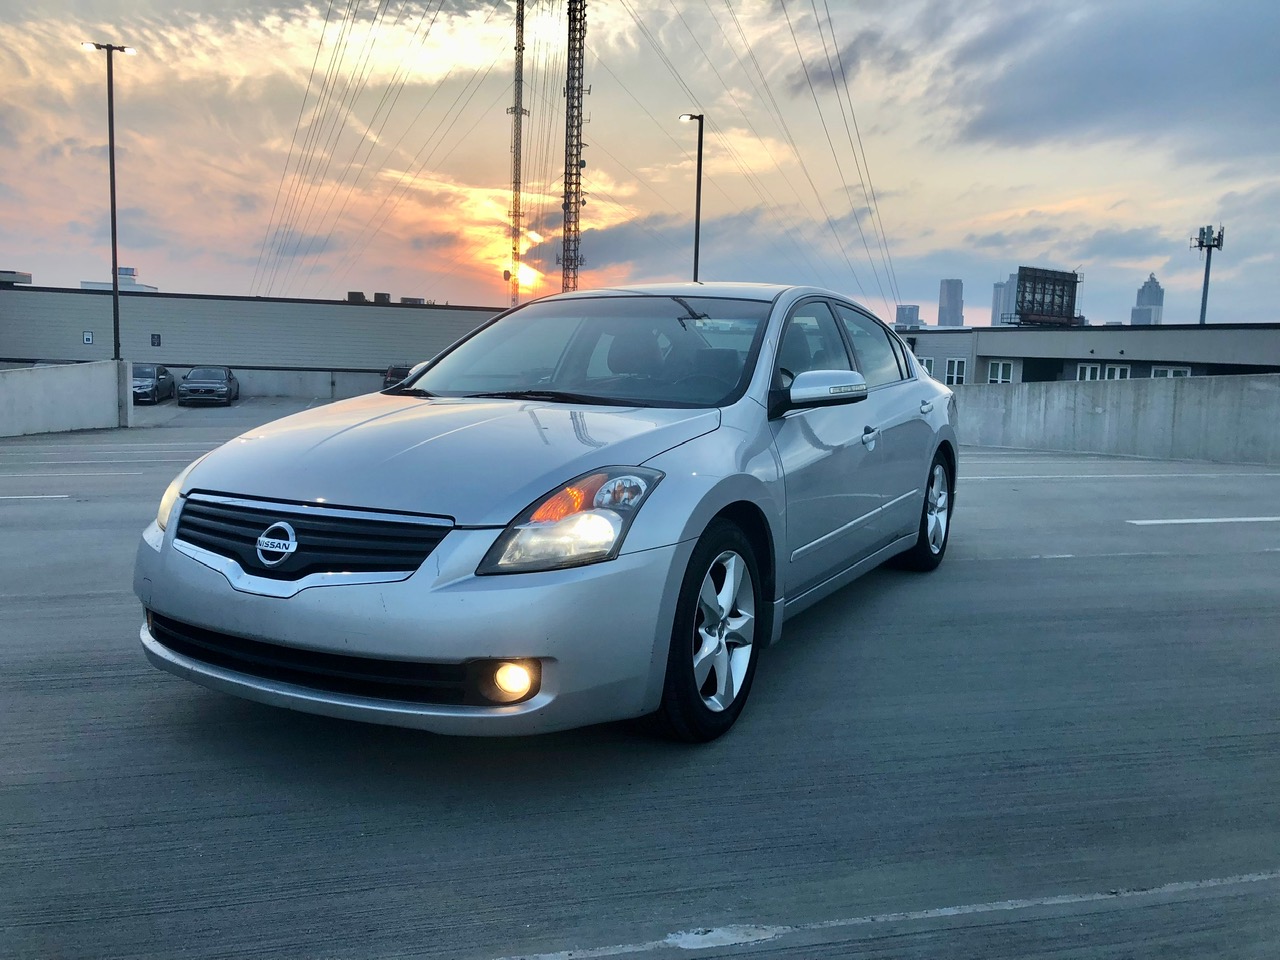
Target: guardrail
{"points": [[1225, 419]]}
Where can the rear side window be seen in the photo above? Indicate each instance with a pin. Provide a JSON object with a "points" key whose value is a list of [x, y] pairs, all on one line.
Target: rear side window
{"points": [[877, 358]]}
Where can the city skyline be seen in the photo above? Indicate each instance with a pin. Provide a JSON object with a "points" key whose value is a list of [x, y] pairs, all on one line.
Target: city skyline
{"points": [[985, 153]]}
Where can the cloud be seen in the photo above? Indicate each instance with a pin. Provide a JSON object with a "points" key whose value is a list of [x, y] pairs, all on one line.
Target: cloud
{"points": [[868, 49], [1013, 239], [1137, 243], [1074, 73]]}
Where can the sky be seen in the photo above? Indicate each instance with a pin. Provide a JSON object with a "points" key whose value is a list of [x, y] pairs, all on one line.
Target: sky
{"points": [[874, 147]]}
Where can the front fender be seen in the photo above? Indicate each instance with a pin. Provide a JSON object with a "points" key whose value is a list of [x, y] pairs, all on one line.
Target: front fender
{"points": [[703, 477]]}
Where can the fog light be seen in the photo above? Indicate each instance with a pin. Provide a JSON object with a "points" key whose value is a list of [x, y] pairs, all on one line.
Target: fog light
{"points": [[507, 681], [513, 680]]}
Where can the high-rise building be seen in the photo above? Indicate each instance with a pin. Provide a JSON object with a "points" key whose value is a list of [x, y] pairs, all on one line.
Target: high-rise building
{"points": [[1004, 301], [1150, 306], [951, 303], [908, 314]]}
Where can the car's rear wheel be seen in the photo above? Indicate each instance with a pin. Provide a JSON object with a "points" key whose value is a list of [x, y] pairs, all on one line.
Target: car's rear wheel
{"points": [[935, 520], [715, 639]]}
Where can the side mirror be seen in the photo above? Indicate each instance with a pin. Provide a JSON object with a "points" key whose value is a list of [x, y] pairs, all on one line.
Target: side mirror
{"points": [[818, 388]]}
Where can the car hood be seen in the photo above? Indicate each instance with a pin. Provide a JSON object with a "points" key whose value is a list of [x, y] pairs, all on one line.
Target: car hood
{"points": [[479, 462], [205, 383], [143, 381]]}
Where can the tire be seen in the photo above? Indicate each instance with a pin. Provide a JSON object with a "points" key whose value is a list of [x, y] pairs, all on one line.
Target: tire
{"points": [[725, 655], [935, 520]]}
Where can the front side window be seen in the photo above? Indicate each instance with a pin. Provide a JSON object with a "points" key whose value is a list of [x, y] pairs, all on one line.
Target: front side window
{"points": [[871, 345], [656, 351], [810, 341], [955, 371]]}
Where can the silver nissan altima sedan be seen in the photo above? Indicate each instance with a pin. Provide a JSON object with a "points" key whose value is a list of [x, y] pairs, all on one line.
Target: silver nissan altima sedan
{"points": [[598, 505]]}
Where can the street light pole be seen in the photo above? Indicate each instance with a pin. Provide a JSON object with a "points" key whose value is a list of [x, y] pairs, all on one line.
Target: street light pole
{"points": [[111, 165], [697, 204]]}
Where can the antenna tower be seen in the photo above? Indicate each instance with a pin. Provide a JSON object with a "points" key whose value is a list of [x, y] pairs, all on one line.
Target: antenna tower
{"points": [[1207, 242], [573, 163], [518, 113]]}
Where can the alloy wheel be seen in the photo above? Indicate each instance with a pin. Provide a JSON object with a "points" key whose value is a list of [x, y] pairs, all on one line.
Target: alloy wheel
{"points": [[938, 508], [724, 630]]}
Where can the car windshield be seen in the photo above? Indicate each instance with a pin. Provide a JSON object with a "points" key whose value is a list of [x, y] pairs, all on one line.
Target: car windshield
{"points": [[207, 373], [629, 351], [144, 370]]}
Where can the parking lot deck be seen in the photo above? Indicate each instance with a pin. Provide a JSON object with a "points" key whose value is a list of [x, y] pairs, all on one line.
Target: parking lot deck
{"points": [[1061, 743]]}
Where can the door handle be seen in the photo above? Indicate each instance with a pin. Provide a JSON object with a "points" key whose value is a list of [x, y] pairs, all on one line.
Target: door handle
{"points": [[926, 406], [870, 435]]}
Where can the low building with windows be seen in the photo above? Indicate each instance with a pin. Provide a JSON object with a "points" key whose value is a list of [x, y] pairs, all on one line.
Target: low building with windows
{"points": [[1036, 354]]}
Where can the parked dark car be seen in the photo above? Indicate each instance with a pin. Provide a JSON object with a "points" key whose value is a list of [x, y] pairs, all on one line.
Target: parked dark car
{"points": [[209, 385], [153, 383], [395, 373]]}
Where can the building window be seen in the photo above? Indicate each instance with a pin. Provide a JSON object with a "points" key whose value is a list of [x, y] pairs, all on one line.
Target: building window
{"points": [[1170, 371], [926, 363], [955, 371], [1117, 371], [1088, 371], [1000, 371]]}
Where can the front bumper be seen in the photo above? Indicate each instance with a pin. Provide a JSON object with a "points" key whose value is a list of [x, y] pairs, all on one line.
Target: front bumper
{"points": [[600, 632]]}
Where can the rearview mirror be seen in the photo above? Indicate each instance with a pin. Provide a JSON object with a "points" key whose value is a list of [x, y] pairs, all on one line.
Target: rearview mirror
{"points": [[819, 388]]}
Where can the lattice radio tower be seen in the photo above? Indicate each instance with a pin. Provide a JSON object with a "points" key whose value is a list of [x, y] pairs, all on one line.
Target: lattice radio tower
{"points": [[570, 259], [518, 113]]}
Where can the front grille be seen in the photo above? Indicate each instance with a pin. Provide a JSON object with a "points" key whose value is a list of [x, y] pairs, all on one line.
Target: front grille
{"points": [[404, 680], [328, 542]]}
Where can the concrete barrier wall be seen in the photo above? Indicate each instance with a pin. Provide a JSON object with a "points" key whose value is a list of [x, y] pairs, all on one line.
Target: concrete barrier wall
{"points": [[1225, 419], [80, 396], [324, 384]]}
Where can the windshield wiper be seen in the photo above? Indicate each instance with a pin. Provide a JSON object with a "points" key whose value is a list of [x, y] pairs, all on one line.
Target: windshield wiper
{"points": [[693, 314], [555, 396], [407, 392]]}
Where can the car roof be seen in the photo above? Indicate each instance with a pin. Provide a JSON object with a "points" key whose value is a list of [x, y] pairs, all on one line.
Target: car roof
{"points": [[740, 290]]}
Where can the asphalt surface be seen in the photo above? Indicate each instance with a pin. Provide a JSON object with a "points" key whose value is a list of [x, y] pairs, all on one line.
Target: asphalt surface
{"points": [[1063, 743]]}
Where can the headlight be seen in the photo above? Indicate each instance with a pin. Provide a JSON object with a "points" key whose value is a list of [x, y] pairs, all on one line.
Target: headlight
{"points": [[585, 521], [170, 498]]}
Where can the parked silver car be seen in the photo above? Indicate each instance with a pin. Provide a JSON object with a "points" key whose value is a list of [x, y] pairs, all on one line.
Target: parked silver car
{"points": [[152, 383], [599, 505]]}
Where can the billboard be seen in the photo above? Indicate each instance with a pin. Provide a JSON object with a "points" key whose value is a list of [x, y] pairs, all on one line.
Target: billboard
{"points": [[1046, 297]]}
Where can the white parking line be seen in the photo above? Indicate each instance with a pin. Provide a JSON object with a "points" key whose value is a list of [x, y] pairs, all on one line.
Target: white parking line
{"points": [[741, 934], [23, 476], [1161, 523], [1116, 476], [62, 463], [42, 496]]}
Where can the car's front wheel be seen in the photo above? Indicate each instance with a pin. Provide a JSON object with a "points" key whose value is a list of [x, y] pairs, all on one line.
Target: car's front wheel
{"points": [[716, 637]]}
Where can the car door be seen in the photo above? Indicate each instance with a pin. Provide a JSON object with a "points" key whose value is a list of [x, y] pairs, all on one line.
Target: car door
{"points": [[164, 383], [902, 401], [833, 493]]}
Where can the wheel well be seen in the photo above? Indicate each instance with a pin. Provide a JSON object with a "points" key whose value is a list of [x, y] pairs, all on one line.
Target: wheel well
{"points": [[950, 455], [750, 520]]}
